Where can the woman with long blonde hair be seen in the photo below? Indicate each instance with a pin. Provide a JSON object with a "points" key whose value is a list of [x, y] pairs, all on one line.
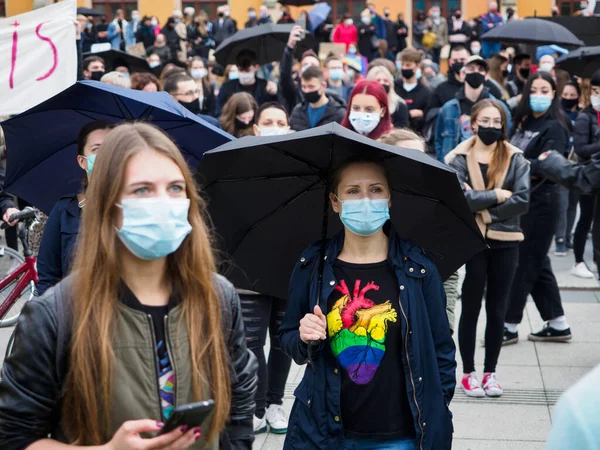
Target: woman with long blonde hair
{"points": [[495, 177], [141, 326], [398, 108]]}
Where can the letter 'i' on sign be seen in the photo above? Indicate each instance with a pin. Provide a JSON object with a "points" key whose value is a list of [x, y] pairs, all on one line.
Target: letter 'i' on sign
{"points": [[13, 60], [38, 54]]}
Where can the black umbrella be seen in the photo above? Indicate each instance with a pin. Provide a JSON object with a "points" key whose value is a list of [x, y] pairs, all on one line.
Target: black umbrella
{"points": [[90, 12], [115, 58], [533, 31], [267, 41], [298, 2], [582, 62], [268, 199]]}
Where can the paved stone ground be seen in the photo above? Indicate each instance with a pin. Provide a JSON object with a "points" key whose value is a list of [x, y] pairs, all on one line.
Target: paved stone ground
{"points": [[532, 374]]}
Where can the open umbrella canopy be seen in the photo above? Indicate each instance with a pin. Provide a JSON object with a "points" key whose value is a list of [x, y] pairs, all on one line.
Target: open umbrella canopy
{"points": [[533, 31], [582, 62], [41, 142], [116, 58], [268, 199], [318, 14], [90, 12], [268, 41]]}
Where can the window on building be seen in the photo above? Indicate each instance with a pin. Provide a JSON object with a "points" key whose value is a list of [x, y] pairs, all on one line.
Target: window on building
{"points": [[2, 8], [109, 7], [341, 7], [446, 6], [568, 8], [208, 6]]}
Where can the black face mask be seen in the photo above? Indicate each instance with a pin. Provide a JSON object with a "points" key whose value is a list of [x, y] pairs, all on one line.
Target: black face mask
{"points": [[242, 125], [387, 14], [96, 75], [312, 97], [408, 73], [569, 103], [475, 79], [489, 135], [505, 73], [456, 67], [221, 14], [193, 106], [524, 72], [458, 15], [387, 88]]}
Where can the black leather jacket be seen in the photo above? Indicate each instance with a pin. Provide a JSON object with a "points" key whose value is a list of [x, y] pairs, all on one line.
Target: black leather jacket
{"points": [[33, 375], [586, 137], [500, 221]]}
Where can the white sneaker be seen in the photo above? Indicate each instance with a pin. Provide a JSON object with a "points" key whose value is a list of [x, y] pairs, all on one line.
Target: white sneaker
{"points": [[491, 386], [277, 419], [472, 386], [581, 270], [260, 425]]}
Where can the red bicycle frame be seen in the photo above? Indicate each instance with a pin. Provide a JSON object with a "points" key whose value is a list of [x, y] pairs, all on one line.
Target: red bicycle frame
{"points": [[29, 274]]}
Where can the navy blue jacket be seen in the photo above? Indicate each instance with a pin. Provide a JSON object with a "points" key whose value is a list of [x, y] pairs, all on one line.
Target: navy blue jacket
{"points": [[58, 242], [428, 355]]}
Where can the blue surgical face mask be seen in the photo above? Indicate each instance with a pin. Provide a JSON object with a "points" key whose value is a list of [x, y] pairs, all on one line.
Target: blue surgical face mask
{"points": [[540, 103], [336, 74], [154, 227], [366, 216], [234, 75], [419, 74], [91, 160]]}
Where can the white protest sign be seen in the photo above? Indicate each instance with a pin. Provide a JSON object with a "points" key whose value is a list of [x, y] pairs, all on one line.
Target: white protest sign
{"points": [[38, 56]]}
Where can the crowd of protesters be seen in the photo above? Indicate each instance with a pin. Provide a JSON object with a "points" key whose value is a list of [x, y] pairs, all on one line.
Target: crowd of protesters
{"points": [[492, 116]]}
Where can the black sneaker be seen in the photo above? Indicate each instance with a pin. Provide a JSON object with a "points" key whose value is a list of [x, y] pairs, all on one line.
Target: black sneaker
{"points": [[549, 334], [509, 338]]}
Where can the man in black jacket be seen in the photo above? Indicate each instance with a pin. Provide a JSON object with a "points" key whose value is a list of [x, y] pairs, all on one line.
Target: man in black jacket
{"points": [[289, 88], [262, 90], [223, 27], [520, 73], [319, 107], [409, 87], [456, 78]]}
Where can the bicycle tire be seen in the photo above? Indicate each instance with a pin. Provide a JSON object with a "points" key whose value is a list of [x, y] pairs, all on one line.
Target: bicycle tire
{"points": [[12, 315]]}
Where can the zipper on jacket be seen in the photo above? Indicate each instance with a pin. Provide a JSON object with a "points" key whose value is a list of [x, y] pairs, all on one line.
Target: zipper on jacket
{"points": [[156, 366], [412, 381], [171, 359]]}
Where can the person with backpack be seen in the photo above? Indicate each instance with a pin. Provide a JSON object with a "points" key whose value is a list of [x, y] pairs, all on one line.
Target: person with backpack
{"points": [[141, 326]]}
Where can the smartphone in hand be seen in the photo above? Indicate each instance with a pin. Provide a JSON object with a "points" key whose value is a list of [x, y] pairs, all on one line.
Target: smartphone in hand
{"points": [[192, 415], [302, 22]]}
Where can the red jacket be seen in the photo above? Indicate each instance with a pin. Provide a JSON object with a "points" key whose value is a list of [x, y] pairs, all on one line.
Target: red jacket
{"points": [[345, 35]]}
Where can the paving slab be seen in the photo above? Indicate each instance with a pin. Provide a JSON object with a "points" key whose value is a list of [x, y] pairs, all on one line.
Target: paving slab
{"points": [[570, 354], [496, 444], [521, 423], [562, 378]]}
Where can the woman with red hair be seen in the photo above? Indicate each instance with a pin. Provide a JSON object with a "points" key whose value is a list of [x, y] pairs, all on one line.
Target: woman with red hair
{"points": [[368, 112]]}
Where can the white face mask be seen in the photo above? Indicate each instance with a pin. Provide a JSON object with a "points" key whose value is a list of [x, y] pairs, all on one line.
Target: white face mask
{"points": [[274, 131], [348, 22], [476, 50], [246, 78], [198, 74], [546, 67], [364, 122], [595, 102]]}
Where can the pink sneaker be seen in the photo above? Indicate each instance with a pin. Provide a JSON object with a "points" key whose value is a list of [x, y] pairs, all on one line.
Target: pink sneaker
{"points": [[472, 386], [491, 386]]}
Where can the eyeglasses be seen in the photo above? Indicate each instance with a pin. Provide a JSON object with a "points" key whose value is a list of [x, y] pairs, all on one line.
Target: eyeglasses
{"points": [[486, 123], [188, 93]]}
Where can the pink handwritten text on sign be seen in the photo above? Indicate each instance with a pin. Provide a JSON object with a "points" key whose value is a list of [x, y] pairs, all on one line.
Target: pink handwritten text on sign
{"points": [[13, 59]]}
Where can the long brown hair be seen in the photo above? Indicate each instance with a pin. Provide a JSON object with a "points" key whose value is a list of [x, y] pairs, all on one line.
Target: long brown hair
{"points": [[237, 104], [500, 156], [88, 386]]}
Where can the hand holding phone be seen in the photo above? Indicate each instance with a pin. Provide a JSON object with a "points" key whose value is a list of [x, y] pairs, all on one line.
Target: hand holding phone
{"points": [[191, 415]]}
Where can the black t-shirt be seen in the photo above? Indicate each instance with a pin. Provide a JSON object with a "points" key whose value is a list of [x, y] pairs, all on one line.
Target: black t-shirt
{"points": [[364, 328]]}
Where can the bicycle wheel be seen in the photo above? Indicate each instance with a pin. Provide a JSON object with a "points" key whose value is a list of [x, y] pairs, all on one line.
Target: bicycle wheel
{"points": [[9, 261]]}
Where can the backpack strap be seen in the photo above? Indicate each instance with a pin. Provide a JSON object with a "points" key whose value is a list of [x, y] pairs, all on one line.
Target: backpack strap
{"points": [[64, 322]]}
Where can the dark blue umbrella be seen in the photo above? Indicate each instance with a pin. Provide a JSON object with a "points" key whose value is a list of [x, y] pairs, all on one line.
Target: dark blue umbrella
{"points": [[41, 142]]}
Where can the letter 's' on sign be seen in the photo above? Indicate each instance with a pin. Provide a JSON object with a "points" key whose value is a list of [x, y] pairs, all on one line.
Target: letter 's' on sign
{"points": [[38, 56]]}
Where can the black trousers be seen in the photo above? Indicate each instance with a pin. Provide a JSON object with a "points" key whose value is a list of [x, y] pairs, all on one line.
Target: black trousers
{"points": [[589, 205], [534, 272], [261, 313], [496, 267]]}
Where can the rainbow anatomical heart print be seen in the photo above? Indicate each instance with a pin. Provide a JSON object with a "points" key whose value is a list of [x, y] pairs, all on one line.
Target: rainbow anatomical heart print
{"points": [[357, 328]]}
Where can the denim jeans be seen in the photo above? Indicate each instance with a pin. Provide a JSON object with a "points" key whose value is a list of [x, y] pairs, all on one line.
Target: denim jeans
{"points": [[379, 444]]}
